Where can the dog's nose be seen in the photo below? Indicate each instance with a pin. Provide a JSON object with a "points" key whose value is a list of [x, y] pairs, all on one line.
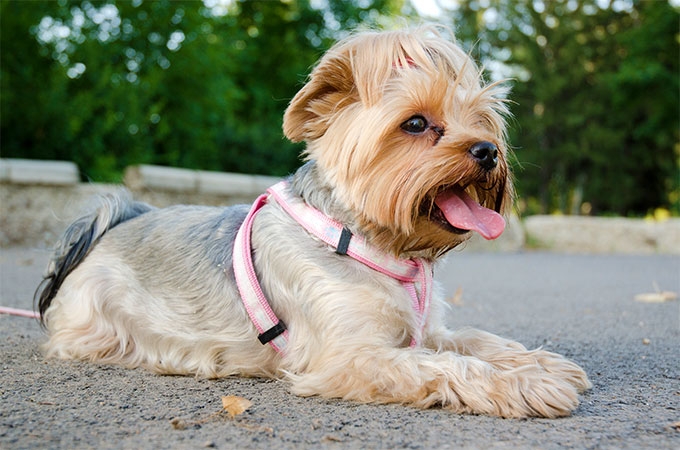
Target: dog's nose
{"points": [[485, 153]]}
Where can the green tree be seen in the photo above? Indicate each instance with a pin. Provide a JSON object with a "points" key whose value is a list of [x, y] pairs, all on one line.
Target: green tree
{"points": [[193, 84], [596, 92], [32, 88]]}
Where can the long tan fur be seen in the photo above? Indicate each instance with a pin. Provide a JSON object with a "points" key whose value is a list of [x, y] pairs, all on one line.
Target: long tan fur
{"points": [[155, 288]]}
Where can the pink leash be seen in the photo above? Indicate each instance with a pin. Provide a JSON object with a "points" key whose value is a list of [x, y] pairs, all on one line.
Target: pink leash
{"points": [[19, 312], [414, 274]]}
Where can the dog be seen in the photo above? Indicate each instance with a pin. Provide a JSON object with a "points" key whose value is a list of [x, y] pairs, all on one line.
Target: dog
{"points": [[326, 281]]}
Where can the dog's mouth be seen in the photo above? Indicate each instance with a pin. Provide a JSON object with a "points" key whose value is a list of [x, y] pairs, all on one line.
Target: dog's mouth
{"points": [[456, 211]]}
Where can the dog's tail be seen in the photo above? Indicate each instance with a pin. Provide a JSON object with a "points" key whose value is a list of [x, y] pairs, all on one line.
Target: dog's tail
{"points": [[80, 237]]}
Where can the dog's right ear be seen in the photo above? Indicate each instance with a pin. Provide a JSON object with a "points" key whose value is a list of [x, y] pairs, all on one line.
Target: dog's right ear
{"points": [[330, 88]]}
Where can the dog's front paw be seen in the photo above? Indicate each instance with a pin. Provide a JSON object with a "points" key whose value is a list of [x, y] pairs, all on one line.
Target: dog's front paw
{"points": [[531, 391], [561, 367]]}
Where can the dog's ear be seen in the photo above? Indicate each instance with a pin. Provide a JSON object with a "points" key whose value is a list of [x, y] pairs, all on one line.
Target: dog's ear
{"points": [[353, 71], [329, 89]]}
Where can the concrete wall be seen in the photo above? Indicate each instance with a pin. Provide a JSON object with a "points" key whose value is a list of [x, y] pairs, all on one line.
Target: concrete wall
{"points": [[38, 199]]}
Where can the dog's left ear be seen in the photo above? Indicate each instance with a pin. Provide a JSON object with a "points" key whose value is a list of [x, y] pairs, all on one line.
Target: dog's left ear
{"points": [[329, 89]]}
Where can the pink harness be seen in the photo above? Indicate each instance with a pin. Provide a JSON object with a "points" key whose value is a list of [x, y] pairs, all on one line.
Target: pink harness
{"points": [[414, 274]]}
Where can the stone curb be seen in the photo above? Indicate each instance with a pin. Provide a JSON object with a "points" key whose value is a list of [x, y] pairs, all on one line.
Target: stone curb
{"points": [[28, 171], [576, 234], [171, 179], [33, 212]]}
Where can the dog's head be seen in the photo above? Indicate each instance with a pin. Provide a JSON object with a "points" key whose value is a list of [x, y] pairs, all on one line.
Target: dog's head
{"points": [[411, 141]]}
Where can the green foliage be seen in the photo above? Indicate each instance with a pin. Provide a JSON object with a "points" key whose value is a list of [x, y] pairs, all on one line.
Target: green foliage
{"points": [[596, 92], [203, 84], [194, 84]]}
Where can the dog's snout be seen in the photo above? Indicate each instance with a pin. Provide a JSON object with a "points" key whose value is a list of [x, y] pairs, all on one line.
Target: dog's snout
{"points": [[485, 153]]}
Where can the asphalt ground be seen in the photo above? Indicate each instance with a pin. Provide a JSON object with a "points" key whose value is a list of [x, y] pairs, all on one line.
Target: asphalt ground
{"points": [[582, 306]]}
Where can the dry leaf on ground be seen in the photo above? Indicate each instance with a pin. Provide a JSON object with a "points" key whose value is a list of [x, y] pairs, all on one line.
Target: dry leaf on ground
{"points": [[457, 298], [235, 405], [656, 297], [179, 424]]}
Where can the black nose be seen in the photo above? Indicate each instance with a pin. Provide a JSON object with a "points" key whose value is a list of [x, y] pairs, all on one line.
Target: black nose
{"points": [[485, 153]]}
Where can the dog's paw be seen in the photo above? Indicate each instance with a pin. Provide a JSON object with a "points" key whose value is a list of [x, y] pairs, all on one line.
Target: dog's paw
{"points": [[531, 391], [563, 368], [528, 390], [514, 356]]}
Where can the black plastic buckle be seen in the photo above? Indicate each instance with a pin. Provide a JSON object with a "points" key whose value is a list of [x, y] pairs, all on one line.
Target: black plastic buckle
{"points": [[343, 243], [272, 333]]}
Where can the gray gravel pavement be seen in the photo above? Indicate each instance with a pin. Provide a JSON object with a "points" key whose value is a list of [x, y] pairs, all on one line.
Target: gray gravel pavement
{"points": [[580, 306]]}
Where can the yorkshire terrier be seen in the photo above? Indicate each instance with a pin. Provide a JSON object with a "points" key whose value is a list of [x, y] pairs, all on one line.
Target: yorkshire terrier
{"points": [[326, 281]]}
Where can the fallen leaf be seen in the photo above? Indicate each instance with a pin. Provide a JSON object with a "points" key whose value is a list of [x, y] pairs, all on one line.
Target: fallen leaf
{"points": [[178, 424], [235, 405], [316, 424], [332, 438], [656, 297], [258, 428], [457, 298]]}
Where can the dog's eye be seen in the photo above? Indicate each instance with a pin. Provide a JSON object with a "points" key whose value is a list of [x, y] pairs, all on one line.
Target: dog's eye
{"points": [[415, 125]]}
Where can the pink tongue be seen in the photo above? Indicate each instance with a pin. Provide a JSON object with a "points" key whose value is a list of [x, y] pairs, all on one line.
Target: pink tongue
{"points": [[463, 212]]}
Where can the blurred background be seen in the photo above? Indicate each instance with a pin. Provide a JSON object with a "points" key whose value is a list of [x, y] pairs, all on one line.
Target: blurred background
{"points": [[203, 85]]}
